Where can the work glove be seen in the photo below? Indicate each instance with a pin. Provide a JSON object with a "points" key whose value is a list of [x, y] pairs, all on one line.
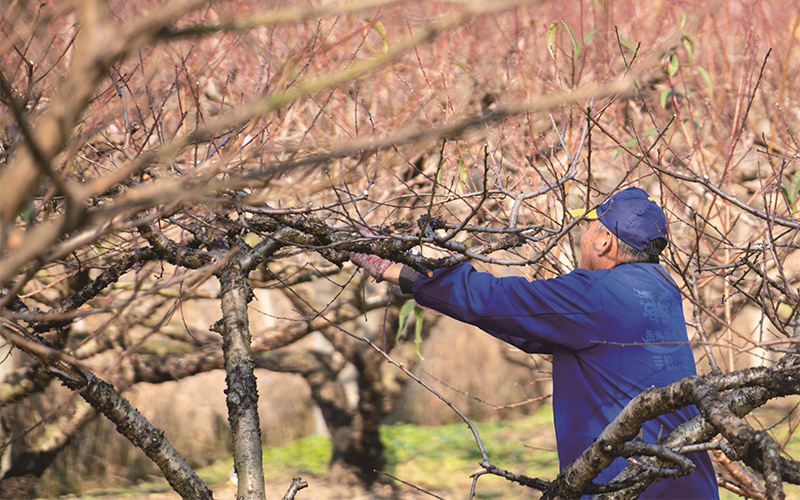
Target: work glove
{"points": [[372, 264]]}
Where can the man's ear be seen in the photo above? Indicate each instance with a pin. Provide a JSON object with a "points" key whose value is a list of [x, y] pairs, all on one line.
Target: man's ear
{"points": [[605, 243]]}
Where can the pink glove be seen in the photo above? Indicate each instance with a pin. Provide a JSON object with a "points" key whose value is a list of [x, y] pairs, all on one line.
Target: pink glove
{"points": [[372, 264]]}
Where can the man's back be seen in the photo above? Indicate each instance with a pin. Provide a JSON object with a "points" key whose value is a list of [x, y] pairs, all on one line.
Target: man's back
{"points": [[589, 321]]}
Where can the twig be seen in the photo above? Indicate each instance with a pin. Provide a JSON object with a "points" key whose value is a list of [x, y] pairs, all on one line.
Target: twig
{"points": [[421, 490], [297, 485]]}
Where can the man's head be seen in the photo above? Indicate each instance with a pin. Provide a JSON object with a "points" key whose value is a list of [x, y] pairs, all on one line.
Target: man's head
{"points": [[629, 227]]}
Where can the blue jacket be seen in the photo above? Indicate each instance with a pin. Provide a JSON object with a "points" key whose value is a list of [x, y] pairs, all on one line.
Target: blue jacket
{"points": [[588, 321]]}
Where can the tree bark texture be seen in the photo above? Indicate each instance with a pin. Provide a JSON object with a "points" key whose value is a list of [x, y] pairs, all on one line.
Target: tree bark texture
{"points": [[696, 430], [740, 402], [297, 485], [242, 394]]}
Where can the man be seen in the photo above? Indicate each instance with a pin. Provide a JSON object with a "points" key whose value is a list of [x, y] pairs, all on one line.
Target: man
{"points": [[590, 320]]}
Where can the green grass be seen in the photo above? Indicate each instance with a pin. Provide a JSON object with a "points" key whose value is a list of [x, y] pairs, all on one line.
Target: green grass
{"points": [[444, 457], [439, 458], [309, 455]]}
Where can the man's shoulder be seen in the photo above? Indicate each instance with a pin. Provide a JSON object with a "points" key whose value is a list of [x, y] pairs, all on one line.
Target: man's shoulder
{"points": [[632, 275], [638, 270], [626, 276], [633, 269]]}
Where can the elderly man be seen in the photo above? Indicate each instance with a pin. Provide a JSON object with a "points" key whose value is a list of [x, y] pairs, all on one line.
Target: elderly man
{"points": [[615, 327]]}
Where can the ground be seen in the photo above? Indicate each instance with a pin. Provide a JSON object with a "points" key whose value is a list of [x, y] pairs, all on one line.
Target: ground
{"points": [[319, 488]]}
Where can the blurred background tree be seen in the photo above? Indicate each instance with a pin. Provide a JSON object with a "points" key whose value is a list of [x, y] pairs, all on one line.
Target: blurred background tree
{"points": [[164, 164]]}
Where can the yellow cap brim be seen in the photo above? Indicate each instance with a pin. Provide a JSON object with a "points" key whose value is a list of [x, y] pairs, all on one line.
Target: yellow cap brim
{"points": [[591, 214]]}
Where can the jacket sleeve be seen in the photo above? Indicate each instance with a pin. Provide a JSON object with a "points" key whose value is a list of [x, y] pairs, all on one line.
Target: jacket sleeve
{"points": [[534, 316]]}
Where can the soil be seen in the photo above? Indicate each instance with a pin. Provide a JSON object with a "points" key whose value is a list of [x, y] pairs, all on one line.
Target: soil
{"points": [[319, 488]]}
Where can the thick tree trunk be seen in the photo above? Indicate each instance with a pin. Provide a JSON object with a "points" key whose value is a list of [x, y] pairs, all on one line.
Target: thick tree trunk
{"points": [[358, 448], [241, 381], [355, 433]]}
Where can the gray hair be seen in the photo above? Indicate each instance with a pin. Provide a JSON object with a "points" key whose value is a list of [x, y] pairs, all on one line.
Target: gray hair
{"points": [[650, 255]]}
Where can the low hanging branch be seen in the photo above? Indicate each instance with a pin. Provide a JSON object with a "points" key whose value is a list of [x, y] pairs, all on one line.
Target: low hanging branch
{"points": [[145, 436], [102, 396]]}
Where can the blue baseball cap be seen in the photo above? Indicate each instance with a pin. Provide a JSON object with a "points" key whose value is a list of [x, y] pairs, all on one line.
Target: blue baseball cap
{"points": [[634, 217]]}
